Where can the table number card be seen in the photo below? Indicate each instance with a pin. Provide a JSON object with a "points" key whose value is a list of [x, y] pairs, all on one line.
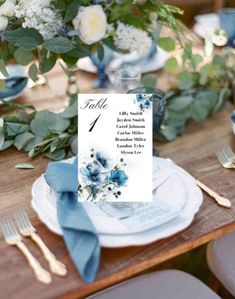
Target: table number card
{"points": [[115, 147]]}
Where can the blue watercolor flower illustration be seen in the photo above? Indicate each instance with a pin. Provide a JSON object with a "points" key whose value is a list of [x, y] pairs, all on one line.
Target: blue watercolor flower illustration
{"points": [[118, 177], [93, 172], [144, 101], [102, 159], [99, 179]]}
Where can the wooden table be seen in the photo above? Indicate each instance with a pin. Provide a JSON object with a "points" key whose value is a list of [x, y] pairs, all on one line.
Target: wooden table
{"points": [[195, 151]]}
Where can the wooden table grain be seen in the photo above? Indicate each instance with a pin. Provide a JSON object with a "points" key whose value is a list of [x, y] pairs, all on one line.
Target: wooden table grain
{"points": [[195, 151]]}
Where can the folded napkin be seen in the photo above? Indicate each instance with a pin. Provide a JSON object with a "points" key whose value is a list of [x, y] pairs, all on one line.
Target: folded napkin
{"points": [[13, 87], [79, 233]]}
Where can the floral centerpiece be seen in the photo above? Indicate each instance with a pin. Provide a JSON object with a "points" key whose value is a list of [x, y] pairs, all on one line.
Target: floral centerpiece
{"points": [[39, 32]]}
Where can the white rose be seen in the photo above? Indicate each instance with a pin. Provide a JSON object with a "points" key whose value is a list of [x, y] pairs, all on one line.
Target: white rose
{"points": [[91, 21], [3, 23], [7, 9]]}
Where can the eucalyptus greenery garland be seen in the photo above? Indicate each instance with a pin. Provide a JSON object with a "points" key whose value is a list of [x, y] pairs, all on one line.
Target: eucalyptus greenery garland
{"points": [[44, 133], [198, 95]]}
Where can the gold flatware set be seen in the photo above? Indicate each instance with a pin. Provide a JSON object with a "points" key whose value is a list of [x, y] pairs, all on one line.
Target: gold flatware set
{"points": [[226, 157], [14, 235]]}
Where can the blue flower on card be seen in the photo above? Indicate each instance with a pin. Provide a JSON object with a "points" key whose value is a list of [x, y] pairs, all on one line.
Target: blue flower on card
{"points": [[102, 159], [118, 177], [139, 97], [144, 101], [101, 177], [93, 172]]}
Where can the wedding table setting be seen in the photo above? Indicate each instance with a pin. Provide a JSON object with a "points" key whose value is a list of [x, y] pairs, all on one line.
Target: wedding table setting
{"points": [[49, 74]]}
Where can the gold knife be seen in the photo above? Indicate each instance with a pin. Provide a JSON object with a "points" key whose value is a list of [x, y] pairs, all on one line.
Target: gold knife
{"points": [[222, 201]]}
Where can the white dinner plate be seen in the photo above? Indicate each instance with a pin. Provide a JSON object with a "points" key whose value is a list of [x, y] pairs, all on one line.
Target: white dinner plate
{"points": [[178, 223], [44, 199]]}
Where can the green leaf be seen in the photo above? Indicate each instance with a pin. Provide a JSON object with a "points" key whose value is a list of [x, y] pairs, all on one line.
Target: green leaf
{"points": [[71, 12], [198, 111], [22, 140], [6, 51], [149, 80], [74, 145], [166, 43], [171, 65], [23, 57], [7, 144], [12, 36], [203, 104], [24, 166], [204, 73], [26, 43], [47, 64], [71, 111], [168, 132], [59, 45], [33, 72], [70, 61], [14, 129], [32, 143], [219, 60], [197, 59], [120, 10], [185, 80], [46, 121], [180, 103], [74, 32], [2, 139], [56, 155], [132, 20], [109, 42], [3, 69], [25, 117]]}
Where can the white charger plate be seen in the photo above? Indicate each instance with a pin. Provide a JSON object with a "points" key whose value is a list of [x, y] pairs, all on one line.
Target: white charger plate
{"points": [[183, 220], [44, 200]]}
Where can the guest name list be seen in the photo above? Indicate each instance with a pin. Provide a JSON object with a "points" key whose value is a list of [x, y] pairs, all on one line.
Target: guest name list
{"points": [[130, 133]]}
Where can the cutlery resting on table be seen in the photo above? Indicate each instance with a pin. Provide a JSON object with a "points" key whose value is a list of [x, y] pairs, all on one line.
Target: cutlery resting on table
{"points": [[14, 237]]}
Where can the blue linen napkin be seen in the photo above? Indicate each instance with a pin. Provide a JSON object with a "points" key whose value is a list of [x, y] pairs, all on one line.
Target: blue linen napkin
{"points": [[79, 234], [14, 86]]}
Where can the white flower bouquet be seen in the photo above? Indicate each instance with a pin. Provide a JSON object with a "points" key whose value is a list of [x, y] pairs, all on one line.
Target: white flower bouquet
{"points": [[41, 31]]}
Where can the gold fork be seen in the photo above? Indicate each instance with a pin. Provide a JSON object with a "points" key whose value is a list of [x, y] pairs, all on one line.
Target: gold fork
{"points": [[12, 237], [226, 157], [27, 230]]}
